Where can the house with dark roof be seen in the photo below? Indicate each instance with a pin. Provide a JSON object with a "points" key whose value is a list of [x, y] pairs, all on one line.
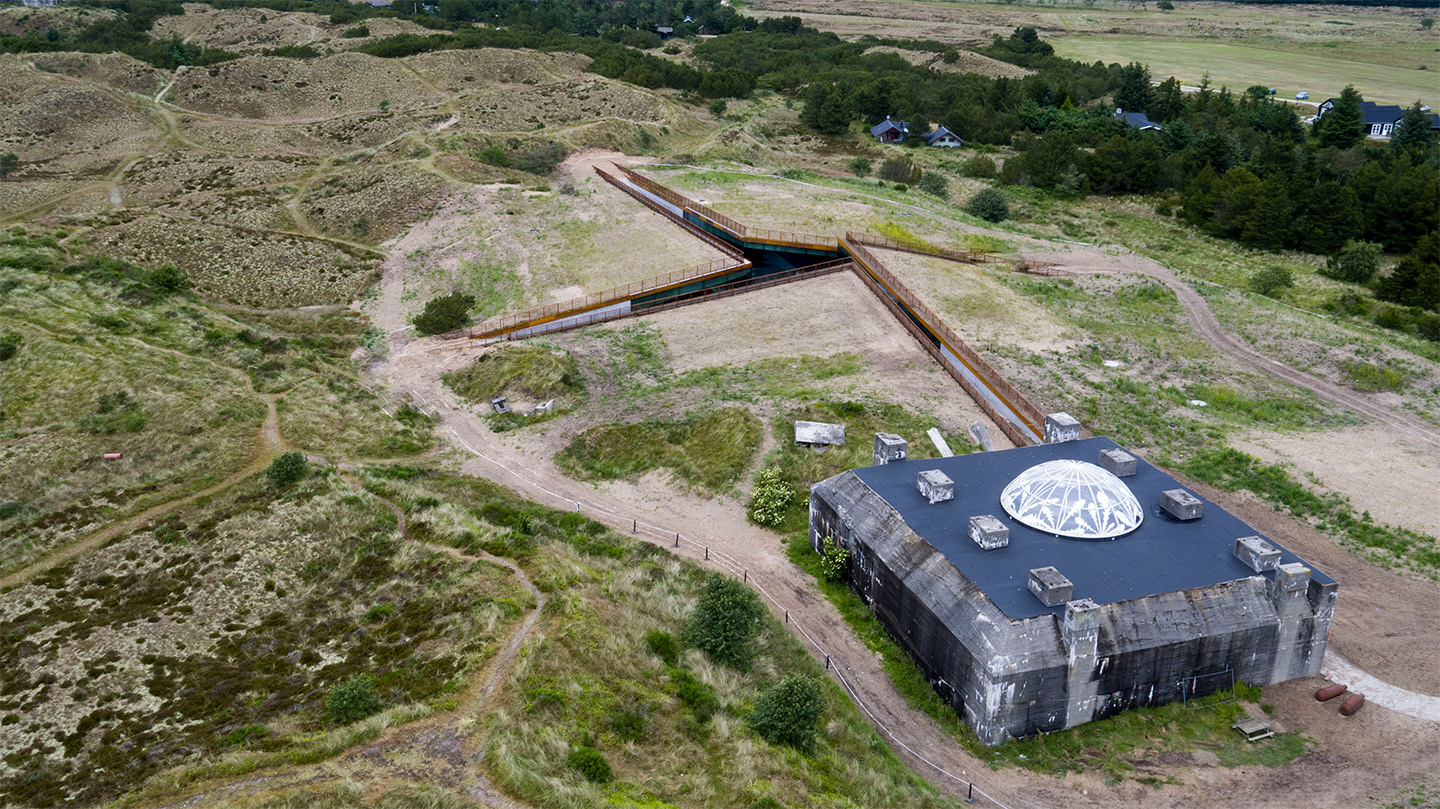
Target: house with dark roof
{"points": [[1380, 119], [944, 137], [1137, 119], [888, 131], [664, 31]]}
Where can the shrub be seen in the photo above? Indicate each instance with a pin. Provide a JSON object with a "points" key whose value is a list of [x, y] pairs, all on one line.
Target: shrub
{"points": [[1165, 5], [935, 183], [1356, 262], [541, 159], [1390, 317], [726, 622], [979, 167], [860, 166], [663, 645], [718, 107], [589, 763], [834, 560], [286, 469], [168, 280], [357, 32], [772, 498], [628, 723], [445, 313], [900, 170], [1269, 280], [495, 156], [789, 712], [9, 161], [950, 56], [989, 205], [9, 345], [353, 700], [695, 694]]}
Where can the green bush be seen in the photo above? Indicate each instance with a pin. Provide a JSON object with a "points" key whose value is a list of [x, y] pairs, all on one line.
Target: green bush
{"points": [[168, 280], [9, 345], [444, 313], [979, 167], [936, 184], [772, 497], [789, 712], [718, 107], [495, 156], [358, 32], [663, 645], [860, 166], [353, 700], [726, 622], [901, 170], [286, 469], [1356, 262], [589, 763], [834, 560], [628, 723], [990, 205], [1269, 280], [695, 694]]}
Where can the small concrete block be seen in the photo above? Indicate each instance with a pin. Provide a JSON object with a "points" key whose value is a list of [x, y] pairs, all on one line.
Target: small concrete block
{"points": [[1050, 586], [988, 532], [543, 408], [935, 485], [1257, 554], [1061, 427], [889, 447], [1117, 462], [1292, 577], [1181, 504], [1321, 595], [500, 405], [818, 433]]}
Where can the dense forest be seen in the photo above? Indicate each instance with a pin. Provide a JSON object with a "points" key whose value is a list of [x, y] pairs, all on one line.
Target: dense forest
{"points": [[1241, 165]]}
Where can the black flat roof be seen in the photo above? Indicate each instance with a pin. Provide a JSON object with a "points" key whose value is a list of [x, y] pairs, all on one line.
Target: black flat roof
{"points": [[1161, 556]]}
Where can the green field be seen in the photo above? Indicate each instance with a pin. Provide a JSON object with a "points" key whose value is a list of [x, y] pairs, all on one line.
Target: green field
{"points": [[1239, 66]]}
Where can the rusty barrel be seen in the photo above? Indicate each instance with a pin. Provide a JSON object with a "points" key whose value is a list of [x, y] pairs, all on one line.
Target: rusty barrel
{"points": [[1351, 705], [1329, 692]]}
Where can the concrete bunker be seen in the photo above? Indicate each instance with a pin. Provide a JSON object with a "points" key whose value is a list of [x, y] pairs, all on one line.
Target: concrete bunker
{"points": [[1026, 629]]}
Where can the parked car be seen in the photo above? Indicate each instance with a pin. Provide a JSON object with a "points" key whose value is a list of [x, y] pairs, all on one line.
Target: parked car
{"points": [[1302, 96]]}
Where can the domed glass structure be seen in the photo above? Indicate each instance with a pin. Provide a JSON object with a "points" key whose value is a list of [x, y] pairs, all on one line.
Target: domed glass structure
{"points": [[1072, 499]]}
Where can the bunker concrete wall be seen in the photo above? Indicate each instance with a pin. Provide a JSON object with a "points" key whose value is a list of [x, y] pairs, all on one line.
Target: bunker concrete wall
{"points": [[1013, 678]]}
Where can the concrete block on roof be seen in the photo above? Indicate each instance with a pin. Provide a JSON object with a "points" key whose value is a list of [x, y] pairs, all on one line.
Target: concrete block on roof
{"points": [[988, 532], [1061, 427], [1181, 504], [1050, 586], [1117, 462], [1257, 554], [889, 447], [935, 485]]}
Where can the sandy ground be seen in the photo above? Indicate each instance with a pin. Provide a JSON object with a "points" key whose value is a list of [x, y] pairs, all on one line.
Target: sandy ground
{"points": [[977, 306], [1383, 473]]}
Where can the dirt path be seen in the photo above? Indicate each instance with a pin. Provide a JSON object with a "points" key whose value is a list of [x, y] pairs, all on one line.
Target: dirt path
{"points": [[267, 445], [1203, 321]]}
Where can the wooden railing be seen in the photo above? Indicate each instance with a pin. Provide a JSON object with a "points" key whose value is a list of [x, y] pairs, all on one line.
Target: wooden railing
{"points": [[505, 323], [714, 293], [881, 281], [921, 248], [682, 201]]}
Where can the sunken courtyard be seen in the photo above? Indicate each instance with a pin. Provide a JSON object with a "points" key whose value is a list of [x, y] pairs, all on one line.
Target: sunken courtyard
{"points": [[1043, 587]]}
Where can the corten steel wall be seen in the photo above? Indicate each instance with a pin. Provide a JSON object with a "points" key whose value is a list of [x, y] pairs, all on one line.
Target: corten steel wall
{"points": [[1009, 679]]}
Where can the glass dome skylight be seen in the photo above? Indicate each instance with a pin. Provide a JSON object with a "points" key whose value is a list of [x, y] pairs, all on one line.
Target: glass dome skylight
{"points": [[1072, 499]]}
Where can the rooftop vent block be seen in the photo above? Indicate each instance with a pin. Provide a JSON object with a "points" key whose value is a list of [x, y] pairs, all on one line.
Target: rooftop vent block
{"points": [[988, 532], [1257, 554], [1050, 586], [1181, 504], [1117, 462], [936, 486], [1061, 427], [889, 447], [500, 405], [818, 434], [1292, 577]]}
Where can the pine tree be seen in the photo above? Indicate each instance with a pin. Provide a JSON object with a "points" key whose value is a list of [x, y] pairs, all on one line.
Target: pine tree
{"points": [[1413, 130], [1416, 279], [1134, 93], [1343, 126]]}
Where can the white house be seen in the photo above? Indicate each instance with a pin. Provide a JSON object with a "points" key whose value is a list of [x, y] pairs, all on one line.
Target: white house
{"points": [[944, 137]]}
